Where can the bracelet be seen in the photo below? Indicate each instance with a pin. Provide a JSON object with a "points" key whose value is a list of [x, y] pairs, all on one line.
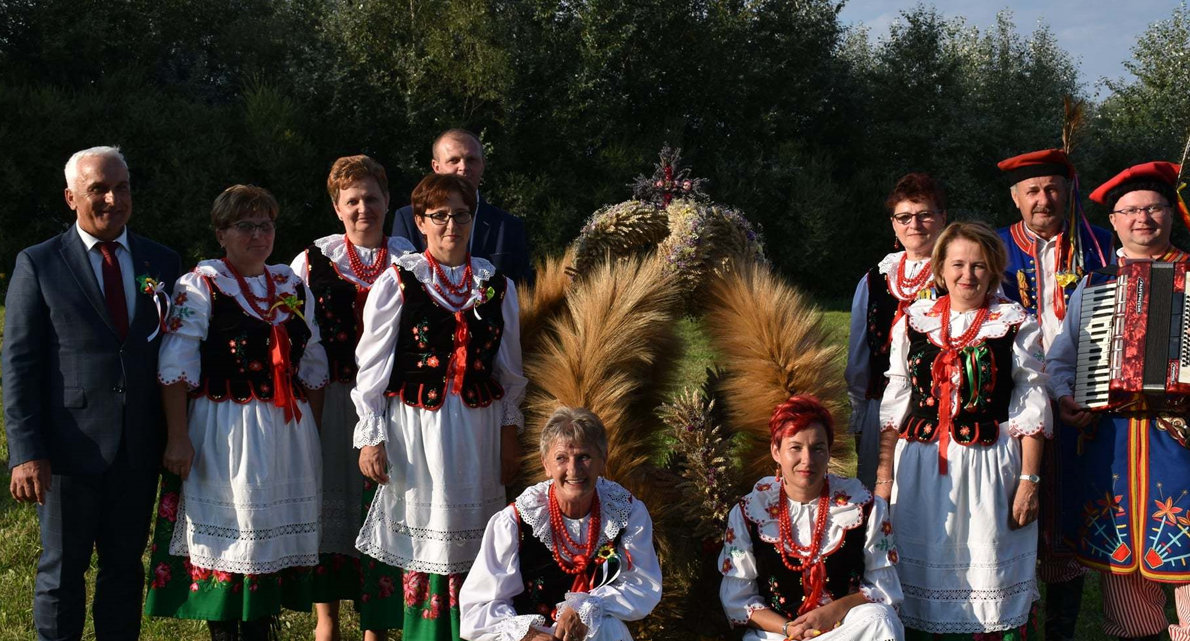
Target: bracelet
{"points": [[1030, 477], [785, 629], [885, 482]]}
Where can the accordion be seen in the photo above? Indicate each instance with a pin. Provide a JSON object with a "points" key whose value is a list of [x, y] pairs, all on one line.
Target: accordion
{"points": [[1134, 349]]}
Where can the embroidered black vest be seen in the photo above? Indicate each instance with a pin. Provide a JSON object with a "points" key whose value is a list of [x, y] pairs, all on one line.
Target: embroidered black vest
{"points": [[977, 424], [340, 303], [236, 360], [425, 342], [882, 307], [546, 584], [781, 588]]}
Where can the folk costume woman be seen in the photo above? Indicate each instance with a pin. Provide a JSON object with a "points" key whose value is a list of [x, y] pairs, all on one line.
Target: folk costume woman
{"points": [[917, 212], [340, 270], [808, 554], [964, 416], [240, 496], [572, 558], [438, 394]]}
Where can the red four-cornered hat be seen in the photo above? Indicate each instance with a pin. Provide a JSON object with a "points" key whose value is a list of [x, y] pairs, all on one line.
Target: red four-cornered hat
{"points": [[1047, 162], [1158, 171]]}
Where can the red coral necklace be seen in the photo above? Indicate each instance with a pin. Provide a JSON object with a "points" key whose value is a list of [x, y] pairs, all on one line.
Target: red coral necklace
{"points": [[807, 560], [367, 273], [907, 288], [572, 556], [455, 295], [265, 312]]}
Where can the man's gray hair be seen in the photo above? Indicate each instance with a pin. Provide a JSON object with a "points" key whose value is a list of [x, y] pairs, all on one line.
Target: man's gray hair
{"points": [[72, 165], [577, 426]]}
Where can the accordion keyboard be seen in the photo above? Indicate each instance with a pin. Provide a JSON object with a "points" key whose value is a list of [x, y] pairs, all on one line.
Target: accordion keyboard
{"points": [[1096, 346]]}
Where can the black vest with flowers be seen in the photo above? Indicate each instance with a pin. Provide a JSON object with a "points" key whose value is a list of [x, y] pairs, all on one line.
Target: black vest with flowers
{"points": [[236, 356], [545, 583], [882, 308], [340, 303], [981, 410], [781, 588], [426, 341]]}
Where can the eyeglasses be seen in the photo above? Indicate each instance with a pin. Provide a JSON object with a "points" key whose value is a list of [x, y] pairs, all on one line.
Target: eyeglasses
{"points": [[247, 228], [459, 218], [924, 216], [1132, 212]]}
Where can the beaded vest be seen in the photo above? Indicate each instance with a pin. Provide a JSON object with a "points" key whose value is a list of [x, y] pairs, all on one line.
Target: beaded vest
{"points": [[426, 341], [236, 363], [781, 588], [340, 304], [983, 403]]}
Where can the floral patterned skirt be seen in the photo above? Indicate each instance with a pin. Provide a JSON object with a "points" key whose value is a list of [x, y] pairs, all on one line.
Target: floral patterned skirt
{"points": [[1028, 631], [425, 607], [180, 590]]}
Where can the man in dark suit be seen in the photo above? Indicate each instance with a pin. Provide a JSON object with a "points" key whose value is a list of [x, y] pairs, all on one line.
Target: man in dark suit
{"points": [[82, 407], [495, 235]]}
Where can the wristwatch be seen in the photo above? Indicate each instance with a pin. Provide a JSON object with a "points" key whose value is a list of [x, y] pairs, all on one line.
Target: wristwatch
{"points": [[1030, 477]]}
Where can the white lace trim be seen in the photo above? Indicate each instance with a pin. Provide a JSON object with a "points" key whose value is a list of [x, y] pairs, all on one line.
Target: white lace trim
{"points": [[515, 628], [322, 382], [513, 416], [1004, 315], [370, 430], [334, 247], [589, 609], [1017, 430], [872, 593], [615, 504], [410, 563], [481, 272], [183, 376], [751, 608], [888, 264], [287, 283], [846, 516], [178, 546]]}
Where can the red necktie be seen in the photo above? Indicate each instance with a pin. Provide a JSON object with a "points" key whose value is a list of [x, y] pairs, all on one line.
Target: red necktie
{"points": [[113, 288]]}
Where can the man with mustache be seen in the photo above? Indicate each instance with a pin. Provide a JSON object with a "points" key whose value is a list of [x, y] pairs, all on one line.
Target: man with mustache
{"points": [[1046, 260], [1125, 499], [82, 407]]}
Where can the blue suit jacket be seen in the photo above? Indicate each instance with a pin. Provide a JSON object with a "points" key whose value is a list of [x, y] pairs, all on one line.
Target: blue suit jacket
{"points": [[72, 390], [1020, 260], [496, 236]]}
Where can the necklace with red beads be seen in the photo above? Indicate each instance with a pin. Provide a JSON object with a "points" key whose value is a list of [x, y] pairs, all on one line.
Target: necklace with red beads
{"points": [[788, 546], [907, 288], [367, 273], [966, 337], [265, 311], [455, 295], [570, 555]]}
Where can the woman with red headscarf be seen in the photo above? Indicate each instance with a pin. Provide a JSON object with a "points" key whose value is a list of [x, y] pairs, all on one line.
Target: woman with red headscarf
{"points": [[809, 554]]}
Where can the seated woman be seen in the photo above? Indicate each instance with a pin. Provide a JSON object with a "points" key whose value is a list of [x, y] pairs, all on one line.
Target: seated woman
{"points": [[572, 558], [809, 554]]}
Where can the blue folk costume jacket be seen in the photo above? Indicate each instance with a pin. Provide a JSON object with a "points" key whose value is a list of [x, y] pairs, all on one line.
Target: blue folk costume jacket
{"points": [[1020, 274]]}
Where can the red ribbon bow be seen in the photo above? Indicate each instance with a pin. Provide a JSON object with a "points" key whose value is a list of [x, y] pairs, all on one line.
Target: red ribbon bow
{"points": [[283, 396]]}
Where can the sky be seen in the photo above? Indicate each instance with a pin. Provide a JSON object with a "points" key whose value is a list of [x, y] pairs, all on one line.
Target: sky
{"points": [[1098, 33]]}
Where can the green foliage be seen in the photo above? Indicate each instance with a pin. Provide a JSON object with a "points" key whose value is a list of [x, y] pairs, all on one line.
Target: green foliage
{"points": [[797, 122]]}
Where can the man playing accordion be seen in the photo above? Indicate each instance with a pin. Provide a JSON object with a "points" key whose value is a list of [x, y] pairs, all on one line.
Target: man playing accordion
{"points": [[1125, 500]]}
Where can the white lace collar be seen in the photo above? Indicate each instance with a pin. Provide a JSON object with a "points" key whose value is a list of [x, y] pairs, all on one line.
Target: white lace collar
{"points": [[615, 504], [925, 316], [848, 498], [286, 281], [481, 272], [334, 247]]}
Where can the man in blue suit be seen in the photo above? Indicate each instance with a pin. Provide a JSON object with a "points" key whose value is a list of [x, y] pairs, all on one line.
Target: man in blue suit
{"points": [[1046, 261], [82, 407], [495, 235]]}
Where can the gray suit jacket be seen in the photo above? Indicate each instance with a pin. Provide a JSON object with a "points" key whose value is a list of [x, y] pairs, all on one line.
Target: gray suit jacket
{"points": [[72, 390]]}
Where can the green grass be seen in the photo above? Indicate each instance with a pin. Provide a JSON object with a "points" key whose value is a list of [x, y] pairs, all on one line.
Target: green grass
{"points": [[19, 544]]}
